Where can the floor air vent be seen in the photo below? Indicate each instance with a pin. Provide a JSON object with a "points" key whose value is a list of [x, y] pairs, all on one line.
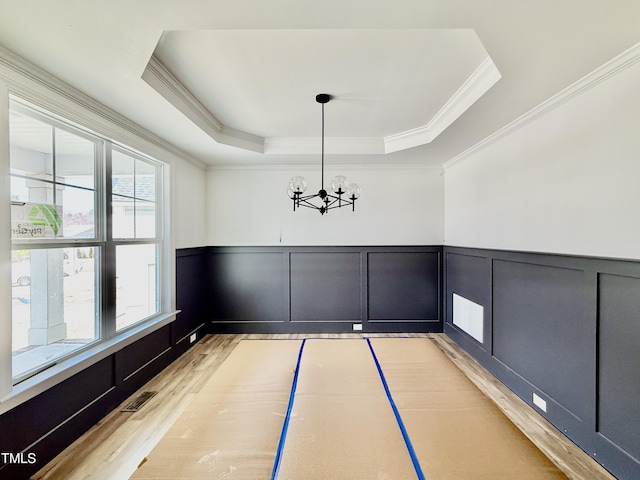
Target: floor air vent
{"points": [[137, 403]]}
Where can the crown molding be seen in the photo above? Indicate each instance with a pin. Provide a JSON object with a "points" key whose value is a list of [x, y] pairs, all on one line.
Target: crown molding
{"points": [[316, 168], [164, 82], [613, 67], [333, 145], [160, 78], [34, 85], [478, 83]]}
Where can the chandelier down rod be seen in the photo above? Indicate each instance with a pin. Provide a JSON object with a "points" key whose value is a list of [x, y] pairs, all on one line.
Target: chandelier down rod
{"points": [[322, 98]]}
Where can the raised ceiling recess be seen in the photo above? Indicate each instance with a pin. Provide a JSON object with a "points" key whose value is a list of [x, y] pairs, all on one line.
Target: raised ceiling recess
{"points": [[254, 89]]}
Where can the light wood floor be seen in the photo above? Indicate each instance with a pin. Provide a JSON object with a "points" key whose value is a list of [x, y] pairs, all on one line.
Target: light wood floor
{"points": [[114, 448]]}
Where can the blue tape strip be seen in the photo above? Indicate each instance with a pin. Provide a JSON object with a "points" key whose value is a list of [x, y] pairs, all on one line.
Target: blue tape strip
{"points": [[285, 426], [405, 435]]}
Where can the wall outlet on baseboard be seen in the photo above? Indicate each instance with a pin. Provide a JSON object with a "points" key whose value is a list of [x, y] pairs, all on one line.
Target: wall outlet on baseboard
{"points": [[193, 337], [539, 402], [357, 327]]}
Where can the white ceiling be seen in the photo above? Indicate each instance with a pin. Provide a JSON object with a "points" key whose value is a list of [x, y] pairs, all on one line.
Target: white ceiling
{"points": [[255, 88], [412, 77]]}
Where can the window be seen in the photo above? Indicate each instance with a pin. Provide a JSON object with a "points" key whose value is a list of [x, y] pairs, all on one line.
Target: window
{"points": [[135, 225], [84, 216]]}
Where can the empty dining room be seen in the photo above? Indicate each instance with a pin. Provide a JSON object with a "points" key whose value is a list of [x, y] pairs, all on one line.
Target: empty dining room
{"points": [[319, 240]]}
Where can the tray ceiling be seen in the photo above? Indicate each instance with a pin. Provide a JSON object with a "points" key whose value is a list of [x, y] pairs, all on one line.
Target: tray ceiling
{"points": [[233, 82], [255, 89]]}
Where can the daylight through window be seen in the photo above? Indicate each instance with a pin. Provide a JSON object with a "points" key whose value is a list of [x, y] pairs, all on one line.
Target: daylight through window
{"points": [[84, 215]]}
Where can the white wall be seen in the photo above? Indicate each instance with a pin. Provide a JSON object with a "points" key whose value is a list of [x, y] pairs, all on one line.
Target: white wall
{"points": [[398, 206], [567, 182], [188, 205]]}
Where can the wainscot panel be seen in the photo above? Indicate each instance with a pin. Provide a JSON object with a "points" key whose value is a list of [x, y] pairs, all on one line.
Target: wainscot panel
{"points": [[45, 425], [619, 361], [191, 290], [326, 286], [539, 331], [468, 274], [403, 286], [564, 335], [38, 416], [140, 362], [325, 289], [246, 285]]}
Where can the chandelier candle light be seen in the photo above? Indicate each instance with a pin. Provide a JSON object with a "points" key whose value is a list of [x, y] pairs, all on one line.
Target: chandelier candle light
{"points": [[345, 193]]}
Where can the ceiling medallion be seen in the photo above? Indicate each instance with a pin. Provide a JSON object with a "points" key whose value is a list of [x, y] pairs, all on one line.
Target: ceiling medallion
{"points": [[345, 193]]}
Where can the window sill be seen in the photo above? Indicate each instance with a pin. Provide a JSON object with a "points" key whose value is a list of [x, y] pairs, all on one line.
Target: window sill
{"points": [[57, 373]]}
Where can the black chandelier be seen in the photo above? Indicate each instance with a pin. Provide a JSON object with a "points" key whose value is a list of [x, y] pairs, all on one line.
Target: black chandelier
{"points": [[345, 193]]}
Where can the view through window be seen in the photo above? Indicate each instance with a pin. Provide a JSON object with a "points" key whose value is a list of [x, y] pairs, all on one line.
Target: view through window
{"points": [[68, 237]]}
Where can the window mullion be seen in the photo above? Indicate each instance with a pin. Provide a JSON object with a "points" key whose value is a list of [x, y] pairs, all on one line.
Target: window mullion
{"points": [[135, 201], [108, 300], [54, 166]]}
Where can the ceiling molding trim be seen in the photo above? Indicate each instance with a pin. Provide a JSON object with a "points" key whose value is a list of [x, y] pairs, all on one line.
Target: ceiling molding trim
{"points": [[613, 67], [34, 85], [333, 146], [160, 78], [155, 70], [306, 167], [164, 82], [478, 83]]}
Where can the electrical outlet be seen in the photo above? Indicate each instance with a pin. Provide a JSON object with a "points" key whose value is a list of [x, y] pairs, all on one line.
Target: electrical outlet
{"points": [[357, 327], [193, 337], [539, 402]]}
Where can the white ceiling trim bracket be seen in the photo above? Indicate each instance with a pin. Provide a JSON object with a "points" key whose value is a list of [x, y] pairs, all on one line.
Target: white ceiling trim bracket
{"points": [[158, 77], [478, 83], [586, 83]]}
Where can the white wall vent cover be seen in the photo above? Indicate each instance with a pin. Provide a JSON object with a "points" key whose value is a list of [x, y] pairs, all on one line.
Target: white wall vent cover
{"points": [[469, 317]]}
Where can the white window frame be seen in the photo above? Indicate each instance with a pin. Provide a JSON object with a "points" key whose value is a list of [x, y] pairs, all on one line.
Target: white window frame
{"points": [[98, 242], [58, 106], [6, 376], [159, 225]]}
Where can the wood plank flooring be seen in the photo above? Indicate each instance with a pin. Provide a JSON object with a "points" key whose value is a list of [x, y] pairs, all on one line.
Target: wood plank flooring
{"points": [[114, 447]]}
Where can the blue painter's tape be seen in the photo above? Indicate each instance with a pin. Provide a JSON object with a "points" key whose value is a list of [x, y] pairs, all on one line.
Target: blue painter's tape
{"points": [[285, 426], [405, 435]]}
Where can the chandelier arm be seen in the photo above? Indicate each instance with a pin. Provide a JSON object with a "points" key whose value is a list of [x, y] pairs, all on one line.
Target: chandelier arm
{"points": [[333, 201], [335, 206], [308, 204], [341, 203], [308, 197], [337, 197], [326, 206]]}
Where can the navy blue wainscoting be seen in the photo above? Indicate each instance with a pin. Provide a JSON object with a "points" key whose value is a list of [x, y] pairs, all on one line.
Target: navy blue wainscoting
{"points": [[51, 421], [325, 289], [563, 328], [46, 424]]}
